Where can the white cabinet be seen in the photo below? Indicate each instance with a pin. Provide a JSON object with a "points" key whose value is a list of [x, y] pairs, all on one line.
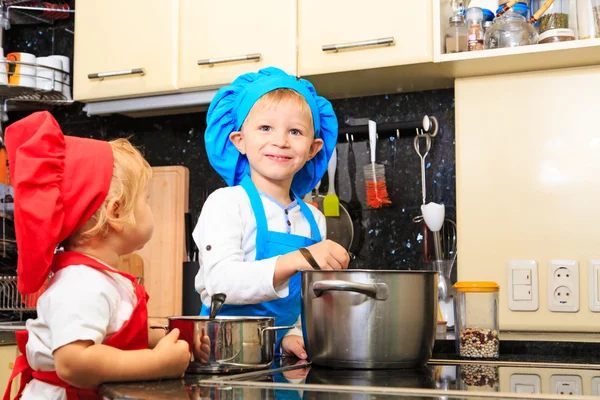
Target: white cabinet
{"points": [[221, 40], [125, 48], [402, 27]]}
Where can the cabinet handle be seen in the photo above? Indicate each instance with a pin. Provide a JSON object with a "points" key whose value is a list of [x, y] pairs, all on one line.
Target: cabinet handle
{"points": [[102, 75], [247, 57], [374, 42]]}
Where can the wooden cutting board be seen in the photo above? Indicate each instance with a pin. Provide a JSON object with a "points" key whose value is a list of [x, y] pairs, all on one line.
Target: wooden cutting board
{"points": [[132, 264], [164, 254]]}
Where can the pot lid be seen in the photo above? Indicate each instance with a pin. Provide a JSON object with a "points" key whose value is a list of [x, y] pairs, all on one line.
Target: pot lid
{"points": [[476, 286]]}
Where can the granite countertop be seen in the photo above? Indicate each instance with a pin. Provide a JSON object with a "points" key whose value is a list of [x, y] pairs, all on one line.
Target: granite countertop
{"points": [[554, 348]]}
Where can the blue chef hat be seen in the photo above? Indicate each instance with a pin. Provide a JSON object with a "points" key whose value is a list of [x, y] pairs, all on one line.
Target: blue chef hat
{"points": [[231, 106]]}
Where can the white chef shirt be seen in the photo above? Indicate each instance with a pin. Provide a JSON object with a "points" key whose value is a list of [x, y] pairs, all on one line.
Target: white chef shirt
{"points": [[81, 303], [226, 237]]}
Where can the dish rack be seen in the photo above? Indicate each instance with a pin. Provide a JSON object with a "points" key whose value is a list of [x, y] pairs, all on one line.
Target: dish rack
{"points": [[12, 300]]}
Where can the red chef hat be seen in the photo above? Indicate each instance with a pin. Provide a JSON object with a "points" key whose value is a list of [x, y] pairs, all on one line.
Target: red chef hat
{"points": [[59, 182]]}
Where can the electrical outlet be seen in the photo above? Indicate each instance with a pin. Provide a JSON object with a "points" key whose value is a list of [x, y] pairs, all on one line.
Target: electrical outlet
{"points": [[596, 386], [563, 286], [570, 385]]}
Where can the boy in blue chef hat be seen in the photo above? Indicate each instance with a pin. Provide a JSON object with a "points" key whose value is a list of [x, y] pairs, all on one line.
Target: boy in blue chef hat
{"points": [[270, 137]]}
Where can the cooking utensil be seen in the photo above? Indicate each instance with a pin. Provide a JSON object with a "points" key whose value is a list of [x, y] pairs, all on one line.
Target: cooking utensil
{"points": [[377, 195], [217, 301], [339, 229], [369, 318], [433, 215], [331, 202], [190, 298], [354, 205], [227, 344]]}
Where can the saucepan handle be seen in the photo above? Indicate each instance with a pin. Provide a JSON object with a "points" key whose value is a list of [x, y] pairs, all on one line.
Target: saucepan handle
{"points": [[377, 291], [166, 328], [263, 331]]}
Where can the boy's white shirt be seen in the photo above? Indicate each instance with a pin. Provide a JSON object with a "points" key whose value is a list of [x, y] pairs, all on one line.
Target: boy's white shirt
{"points": [[81, 303], [226, 239]]}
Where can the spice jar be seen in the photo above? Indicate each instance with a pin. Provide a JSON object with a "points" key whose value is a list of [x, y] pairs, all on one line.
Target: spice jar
{"points": [[556, 35], [456, 35], [476, 324], [555, 17], [474, 29]]}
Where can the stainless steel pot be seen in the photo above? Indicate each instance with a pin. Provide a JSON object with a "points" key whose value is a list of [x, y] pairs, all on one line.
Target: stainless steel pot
{"points": [[369, 318], [227, 344]]}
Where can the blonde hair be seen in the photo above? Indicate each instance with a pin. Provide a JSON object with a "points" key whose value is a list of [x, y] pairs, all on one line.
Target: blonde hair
{"points": [[131, 175], [274, 98]]}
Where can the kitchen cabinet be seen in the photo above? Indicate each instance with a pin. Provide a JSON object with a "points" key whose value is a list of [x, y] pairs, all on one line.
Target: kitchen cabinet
{"points": [[125, 48], [403, 27], [217, 44], [8, 355]]}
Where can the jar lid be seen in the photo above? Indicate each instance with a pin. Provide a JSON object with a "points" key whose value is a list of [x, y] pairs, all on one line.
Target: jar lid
{"points": [[488, 15], [519, 8], [557, 32], [479, 287]]}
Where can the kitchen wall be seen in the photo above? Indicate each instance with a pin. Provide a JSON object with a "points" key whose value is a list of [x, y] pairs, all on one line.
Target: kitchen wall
{"points": [[528, 185], [388, 237]]}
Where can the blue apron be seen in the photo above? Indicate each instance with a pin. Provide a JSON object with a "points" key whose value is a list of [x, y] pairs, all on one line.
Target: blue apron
{"points": [[271, 244]]}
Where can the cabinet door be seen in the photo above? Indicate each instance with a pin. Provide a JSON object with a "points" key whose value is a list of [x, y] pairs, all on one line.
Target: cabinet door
{"points": [[220, 40], [133, 43], [8, 355], [353, 26]]}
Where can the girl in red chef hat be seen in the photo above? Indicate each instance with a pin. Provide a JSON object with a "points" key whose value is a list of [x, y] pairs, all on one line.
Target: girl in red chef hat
{"points": [[89, 197]]}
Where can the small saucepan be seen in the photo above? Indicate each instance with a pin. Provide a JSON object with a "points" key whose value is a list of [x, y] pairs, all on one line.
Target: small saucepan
{"points": [[227, 344]]}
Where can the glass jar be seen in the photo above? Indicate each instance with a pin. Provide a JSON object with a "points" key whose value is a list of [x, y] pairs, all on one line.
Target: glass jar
{"points": [[476, 324], [456, 35], [556, 35], [555, 17], [510, 30], [587, 20], [474, 29]]}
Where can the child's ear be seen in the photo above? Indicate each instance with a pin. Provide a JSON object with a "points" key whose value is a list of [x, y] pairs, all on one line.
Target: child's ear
{"points": [[238, 141], [315, 147], [113, 209]]}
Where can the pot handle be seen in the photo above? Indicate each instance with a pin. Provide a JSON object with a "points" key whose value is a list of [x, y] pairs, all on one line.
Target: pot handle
{"points": [[272, 328], [377, 291], [166, 328]]}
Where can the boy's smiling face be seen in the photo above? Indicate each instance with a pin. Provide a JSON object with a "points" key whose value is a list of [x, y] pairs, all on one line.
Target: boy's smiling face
{"points": [[278, 139]]}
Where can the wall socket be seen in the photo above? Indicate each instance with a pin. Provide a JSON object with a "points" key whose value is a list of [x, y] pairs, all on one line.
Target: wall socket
{"points": [[563, 286], [570, 385]]}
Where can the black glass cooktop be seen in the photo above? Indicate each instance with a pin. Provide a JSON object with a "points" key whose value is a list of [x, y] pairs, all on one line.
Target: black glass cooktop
{"points": [[441, 379]]}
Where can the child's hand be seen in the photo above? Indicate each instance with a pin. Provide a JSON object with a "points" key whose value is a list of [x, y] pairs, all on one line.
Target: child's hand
{"points": [[294, 344], [173, 354], [329, 255]]}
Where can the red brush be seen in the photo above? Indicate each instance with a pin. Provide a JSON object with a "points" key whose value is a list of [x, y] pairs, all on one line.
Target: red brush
{"points": [[377, 195]]}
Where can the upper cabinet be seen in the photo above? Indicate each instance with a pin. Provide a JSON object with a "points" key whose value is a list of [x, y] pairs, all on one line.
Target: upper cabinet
{"points": [[218, 41], [125, 48], [345, 35]]}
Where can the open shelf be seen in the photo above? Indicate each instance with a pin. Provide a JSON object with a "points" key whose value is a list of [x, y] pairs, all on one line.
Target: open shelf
{"points": [[577, 53], [538, 57]]}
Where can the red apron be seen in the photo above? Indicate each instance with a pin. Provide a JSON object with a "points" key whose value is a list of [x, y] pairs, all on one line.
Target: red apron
{"points": [[133, 335]]}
